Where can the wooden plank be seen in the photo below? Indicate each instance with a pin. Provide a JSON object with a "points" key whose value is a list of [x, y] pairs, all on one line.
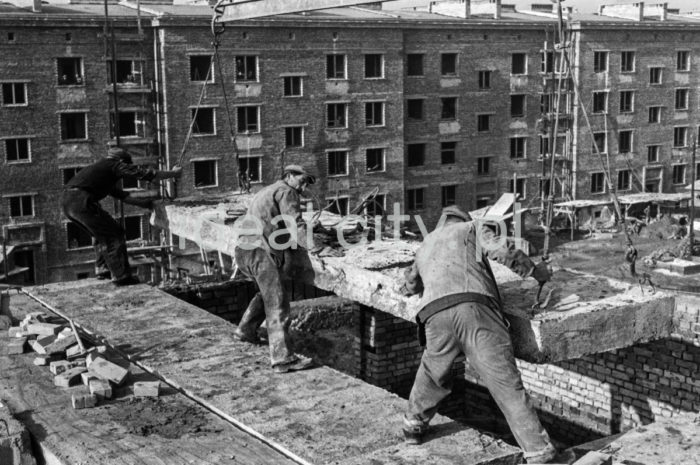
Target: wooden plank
{"points": [[105, 435], [320, 414]]}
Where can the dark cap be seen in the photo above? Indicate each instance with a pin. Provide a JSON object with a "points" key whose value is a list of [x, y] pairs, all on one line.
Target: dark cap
{"points": [[454, 210], [119, 154], [297, 169]]}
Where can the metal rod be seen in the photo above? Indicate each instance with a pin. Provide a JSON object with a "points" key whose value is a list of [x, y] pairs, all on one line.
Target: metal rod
{"points": [[691, 216]]}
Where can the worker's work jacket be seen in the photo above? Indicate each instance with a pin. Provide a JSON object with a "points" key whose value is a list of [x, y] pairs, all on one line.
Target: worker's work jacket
{"points": [[274, 200], [100, 179], [451, 267]]}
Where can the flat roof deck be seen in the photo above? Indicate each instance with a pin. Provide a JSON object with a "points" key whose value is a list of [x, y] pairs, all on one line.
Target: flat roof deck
{"points": [[320, 415]]}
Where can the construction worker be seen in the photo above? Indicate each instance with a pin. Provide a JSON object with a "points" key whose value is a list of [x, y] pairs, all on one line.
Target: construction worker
{"points": [[81, 205], [260, 255], [461, 314]]}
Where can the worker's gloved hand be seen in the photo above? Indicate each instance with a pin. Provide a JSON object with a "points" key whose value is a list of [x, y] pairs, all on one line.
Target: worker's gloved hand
{"points": [[176, 171], [541, 273]]}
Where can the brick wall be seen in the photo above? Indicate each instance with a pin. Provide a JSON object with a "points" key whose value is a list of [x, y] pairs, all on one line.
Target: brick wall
{"points": [[578, 400]]}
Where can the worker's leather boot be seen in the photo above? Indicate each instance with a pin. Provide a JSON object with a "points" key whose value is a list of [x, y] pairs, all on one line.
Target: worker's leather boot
{"points": [[298, 363], [414, 430]]}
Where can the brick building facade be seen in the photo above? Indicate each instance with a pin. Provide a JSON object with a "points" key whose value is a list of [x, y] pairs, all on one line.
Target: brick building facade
{"points": [[428, 108]]}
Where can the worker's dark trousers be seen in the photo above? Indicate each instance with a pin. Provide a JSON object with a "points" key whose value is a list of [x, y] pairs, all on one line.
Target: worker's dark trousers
{"points": [[110, 242], [480, 333], [270, 304]]}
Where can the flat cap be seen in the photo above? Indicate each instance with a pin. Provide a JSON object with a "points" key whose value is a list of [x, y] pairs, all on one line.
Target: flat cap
{"points": [[454, 210], [298, 169]]}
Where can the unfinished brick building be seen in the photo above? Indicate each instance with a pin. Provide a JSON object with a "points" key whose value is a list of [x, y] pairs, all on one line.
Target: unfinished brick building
{"points": [[429, 107]]}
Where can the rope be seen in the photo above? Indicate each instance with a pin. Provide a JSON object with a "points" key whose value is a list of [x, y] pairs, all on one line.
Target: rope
{"points": [[194, 117]]}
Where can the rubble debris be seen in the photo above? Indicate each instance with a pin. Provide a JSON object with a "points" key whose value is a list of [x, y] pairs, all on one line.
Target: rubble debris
{"points": [[82, 399], [45, 360], [15, 443], [87, 376], [107, 370], [5, 322], [594, 458], [60, 345], [16, 346], [44, 329], [16, 331], [39, 345], [59, 367], [100, 388], [68, 377], [147, 388]]}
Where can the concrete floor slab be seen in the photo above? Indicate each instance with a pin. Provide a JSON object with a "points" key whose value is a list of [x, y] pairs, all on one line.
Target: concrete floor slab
{"points": [[321, 415], [610, 314]]}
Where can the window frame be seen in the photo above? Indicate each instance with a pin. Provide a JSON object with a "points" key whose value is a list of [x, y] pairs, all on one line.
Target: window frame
{"points": [[64, 129], [455, 65], [687, 60], [382, 151], [660, 80], [409, 57], [139, 218], [686, 100], [258, 174], [246, 128], [18, 161], [422, 108], [200, 112], [244, 76], [381, 66], [596, 95], [655, 114], [629, 144], [594, 178], [346, 162], [13, 85], [654, 149], [513, 187], [291, 87], [32, 202], [74, 81], [444, 196], [626, 104], [601, 66], [684, 171], [210, 71], [620, 175], [412, 198], [595, 142], [332, 72], [289, 130], [523, 104], [483, 166], [71, 226], [448, 149], [372, 104], [517, 152], [410, 153], [624, 66], [676, 130], [480, 118], [448, 115], [196, 162], [484, 79], [513, 63], [344, 116]]}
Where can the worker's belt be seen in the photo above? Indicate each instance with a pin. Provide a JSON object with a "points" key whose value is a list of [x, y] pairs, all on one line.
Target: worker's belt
{"points": [[449, 301]]}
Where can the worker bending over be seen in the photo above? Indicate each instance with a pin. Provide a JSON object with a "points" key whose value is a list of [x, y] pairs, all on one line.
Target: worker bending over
{"points": [[264, 241], [81, 205], [461, 314]]}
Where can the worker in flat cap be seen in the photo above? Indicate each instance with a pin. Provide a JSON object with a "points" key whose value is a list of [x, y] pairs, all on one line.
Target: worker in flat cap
{"points": [[460, 313], [81, 205], [260, 255]]}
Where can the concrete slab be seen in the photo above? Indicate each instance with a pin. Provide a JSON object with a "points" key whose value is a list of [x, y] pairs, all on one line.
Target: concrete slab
{"points": [[610, 315], [320, 415], [680, 266], [670, 441]]}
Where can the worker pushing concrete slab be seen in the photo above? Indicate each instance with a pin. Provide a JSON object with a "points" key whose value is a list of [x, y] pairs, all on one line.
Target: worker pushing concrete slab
{"points": [[607, 314]]}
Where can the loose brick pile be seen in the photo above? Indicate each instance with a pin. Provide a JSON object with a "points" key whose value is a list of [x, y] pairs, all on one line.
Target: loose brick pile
{"points": [[92, 375]]}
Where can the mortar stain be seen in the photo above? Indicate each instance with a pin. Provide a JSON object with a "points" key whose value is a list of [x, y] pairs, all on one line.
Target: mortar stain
{"points": [[145, 417]]}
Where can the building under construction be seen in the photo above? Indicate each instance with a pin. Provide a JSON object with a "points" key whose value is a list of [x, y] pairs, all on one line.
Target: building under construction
{"points": [[453, 104]]}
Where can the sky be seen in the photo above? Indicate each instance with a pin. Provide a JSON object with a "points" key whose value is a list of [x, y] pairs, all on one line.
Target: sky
{"points": [[584, 6]]}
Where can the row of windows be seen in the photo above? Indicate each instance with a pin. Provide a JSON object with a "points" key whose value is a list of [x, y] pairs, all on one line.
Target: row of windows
{"points": [[627, 98], [247, 69], [625, 139], [628, 64]]}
